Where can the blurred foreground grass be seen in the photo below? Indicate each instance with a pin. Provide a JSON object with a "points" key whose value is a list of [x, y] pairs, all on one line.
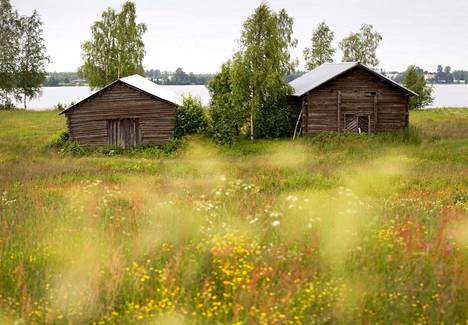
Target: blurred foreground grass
{"points": [[328, 230]]}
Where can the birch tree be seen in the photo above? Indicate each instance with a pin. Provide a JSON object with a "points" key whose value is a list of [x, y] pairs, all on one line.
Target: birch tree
{"points": [[321, 50], [9, 48], [258, 69], [116, 49], [32, 59], [361, 46]]}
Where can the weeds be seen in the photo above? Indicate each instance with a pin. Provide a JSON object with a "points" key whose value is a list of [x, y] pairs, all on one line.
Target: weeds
{"points": [[335, 229]]}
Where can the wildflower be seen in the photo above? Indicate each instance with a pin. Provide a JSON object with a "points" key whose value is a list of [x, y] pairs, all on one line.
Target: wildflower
{"points": [[275, 214], [291, 198], [275, 223]]}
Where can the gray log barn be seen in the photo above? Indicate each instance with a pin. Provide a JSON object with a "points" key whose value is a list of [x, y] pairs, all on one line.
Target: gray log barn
{"points": [[129, 112], [352, 96]]}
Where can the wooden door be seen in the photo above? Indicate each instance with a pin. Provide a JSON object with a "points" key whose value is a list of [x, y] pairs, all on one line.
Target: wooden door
{"points": [[123, 133], [359, 110], [360, 123]]}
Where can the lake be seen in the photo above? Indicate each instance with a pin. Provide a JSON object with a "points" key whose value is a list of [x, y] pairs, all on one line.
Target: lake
{"points": [[51, 96], [444, 95]]}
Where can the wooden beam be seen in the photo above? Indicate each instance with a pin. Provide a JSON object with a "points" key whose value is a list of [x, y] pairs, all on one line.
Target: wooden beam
{"points": [[338, 112], [375, 113], [305, 107]]}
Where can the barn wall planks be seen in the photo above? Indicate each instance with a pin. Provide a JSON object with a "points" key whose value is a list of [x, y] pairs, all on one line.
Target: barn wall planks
{"points": [[349, 93], [88, 121]]}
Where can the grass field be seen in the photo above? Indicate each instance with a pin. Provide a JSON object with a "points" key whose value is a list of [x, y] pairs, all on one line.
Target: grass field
{"points": [[336, 229]]}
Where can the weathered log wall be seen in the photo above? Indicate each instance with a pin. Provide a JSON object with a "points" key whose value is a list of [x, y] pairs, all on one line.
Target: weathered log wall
{"points": [[355, 92], [87, 122]]}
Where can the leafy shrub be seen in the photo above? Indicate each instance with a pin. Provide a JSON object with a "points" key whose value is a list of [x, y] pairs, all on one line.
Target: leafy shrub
{"points": [[190, 117], [225, 118], [60, 139], [61, 107], [7, 106]]}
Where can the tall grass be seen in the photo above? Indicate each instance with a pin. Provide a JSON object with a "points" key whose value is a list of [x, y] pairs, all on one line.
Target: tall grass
{"points": [[336, 229]]}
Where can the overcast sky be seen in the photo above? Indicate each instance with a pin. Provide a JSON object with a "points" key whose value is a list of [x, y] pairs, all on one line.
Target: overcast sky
{"points": [[199, 35]]}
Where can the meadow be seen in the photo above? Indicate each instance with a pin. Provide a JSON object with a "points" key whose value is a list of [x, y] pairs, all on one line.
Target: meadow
{"points": [[332, 229]]}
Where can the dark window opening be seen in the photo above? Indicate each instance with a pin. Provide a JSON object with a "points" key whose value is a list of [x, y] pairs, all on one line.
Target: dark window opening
{"points": [[359, 123]]}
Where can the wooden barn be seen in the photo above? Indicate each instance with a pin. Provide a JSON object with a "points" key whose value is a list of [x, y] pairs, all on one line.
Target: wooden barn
{"points": [[129, 112], [352, 96]]}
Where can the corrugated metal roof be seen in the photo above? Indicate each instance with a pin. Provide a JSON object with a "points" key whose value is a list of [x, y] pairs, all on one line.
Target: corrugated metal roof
{"points": [[143, 84], [328, 71], [151, 88]]}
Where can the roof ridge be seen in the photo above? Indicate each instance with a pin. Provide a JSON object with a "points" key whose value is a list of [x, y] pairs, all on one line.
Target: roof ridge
{"points": [[327, 71]]}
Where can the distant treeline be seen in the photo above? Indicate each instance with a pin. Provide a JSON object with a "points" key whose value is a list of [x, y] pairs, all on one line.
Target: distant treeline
{"points": [[441, 76], [178, 77], [57, 79]]}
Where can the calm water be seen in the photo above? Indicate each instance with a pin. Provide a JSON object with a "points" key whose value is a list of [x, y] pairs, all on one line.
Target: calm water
{"points": [[444, 95], [51, 96]]}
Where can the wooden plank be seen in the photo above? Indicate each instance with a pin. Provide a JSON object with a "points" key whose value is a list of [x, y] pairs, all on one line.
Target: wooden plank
{"points": [[338, 110], [375, 113], [389, 112], [154, 119]]}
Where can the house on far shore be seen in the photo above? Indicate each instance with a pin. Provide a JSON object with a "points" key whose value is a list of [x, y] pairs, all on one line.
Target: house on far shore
{"points": [[351, 96], [128, 112]]}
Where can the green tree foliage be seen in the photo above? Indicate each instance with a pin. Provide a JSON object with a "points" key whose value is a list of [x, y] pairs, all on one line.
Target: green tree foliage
{"points": [[460, 75], [23, 56], [321, 50], [226, 118], [258, 71], [190, 117], [116, 49], [361, 46], [9, 47], [415, 81], [32, 59], [178, 77]]}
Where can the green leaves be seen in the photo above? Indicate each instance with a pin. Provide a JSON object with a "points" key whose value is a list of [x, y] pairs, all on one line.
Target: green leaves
{"points": [[416, 81], [257, 89], [190, 117], [321, 51], [23, 56], [361, 46], [116, 49]]}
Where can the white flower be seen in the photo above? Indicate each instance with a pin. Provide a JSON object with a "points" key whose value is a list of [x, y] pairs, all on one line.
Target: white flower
{"points": [[253, 221], [275, 223]]}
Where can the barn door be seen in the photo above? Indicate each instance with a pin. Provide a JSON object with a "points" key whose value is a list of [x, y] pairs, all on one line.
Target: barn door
{"points": [[123, 133], [359, 123]]}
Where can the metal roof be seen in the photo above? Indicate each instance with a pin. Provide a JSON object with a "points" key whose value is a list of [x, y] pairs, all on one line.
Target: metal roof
{"points": [[328, 71], [151, 88], [143, 84]]}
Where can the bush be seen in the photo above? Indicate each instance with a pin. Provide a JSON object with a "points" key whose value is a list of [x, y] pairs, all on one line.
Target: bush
{"points": [[61, 107], [60, 139], [190, 117], [7, 106]]}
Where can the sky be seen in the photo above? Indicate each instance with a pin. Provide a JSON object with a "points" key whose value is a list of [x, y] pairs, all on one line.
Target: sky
{"points": [[200, 35]]}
